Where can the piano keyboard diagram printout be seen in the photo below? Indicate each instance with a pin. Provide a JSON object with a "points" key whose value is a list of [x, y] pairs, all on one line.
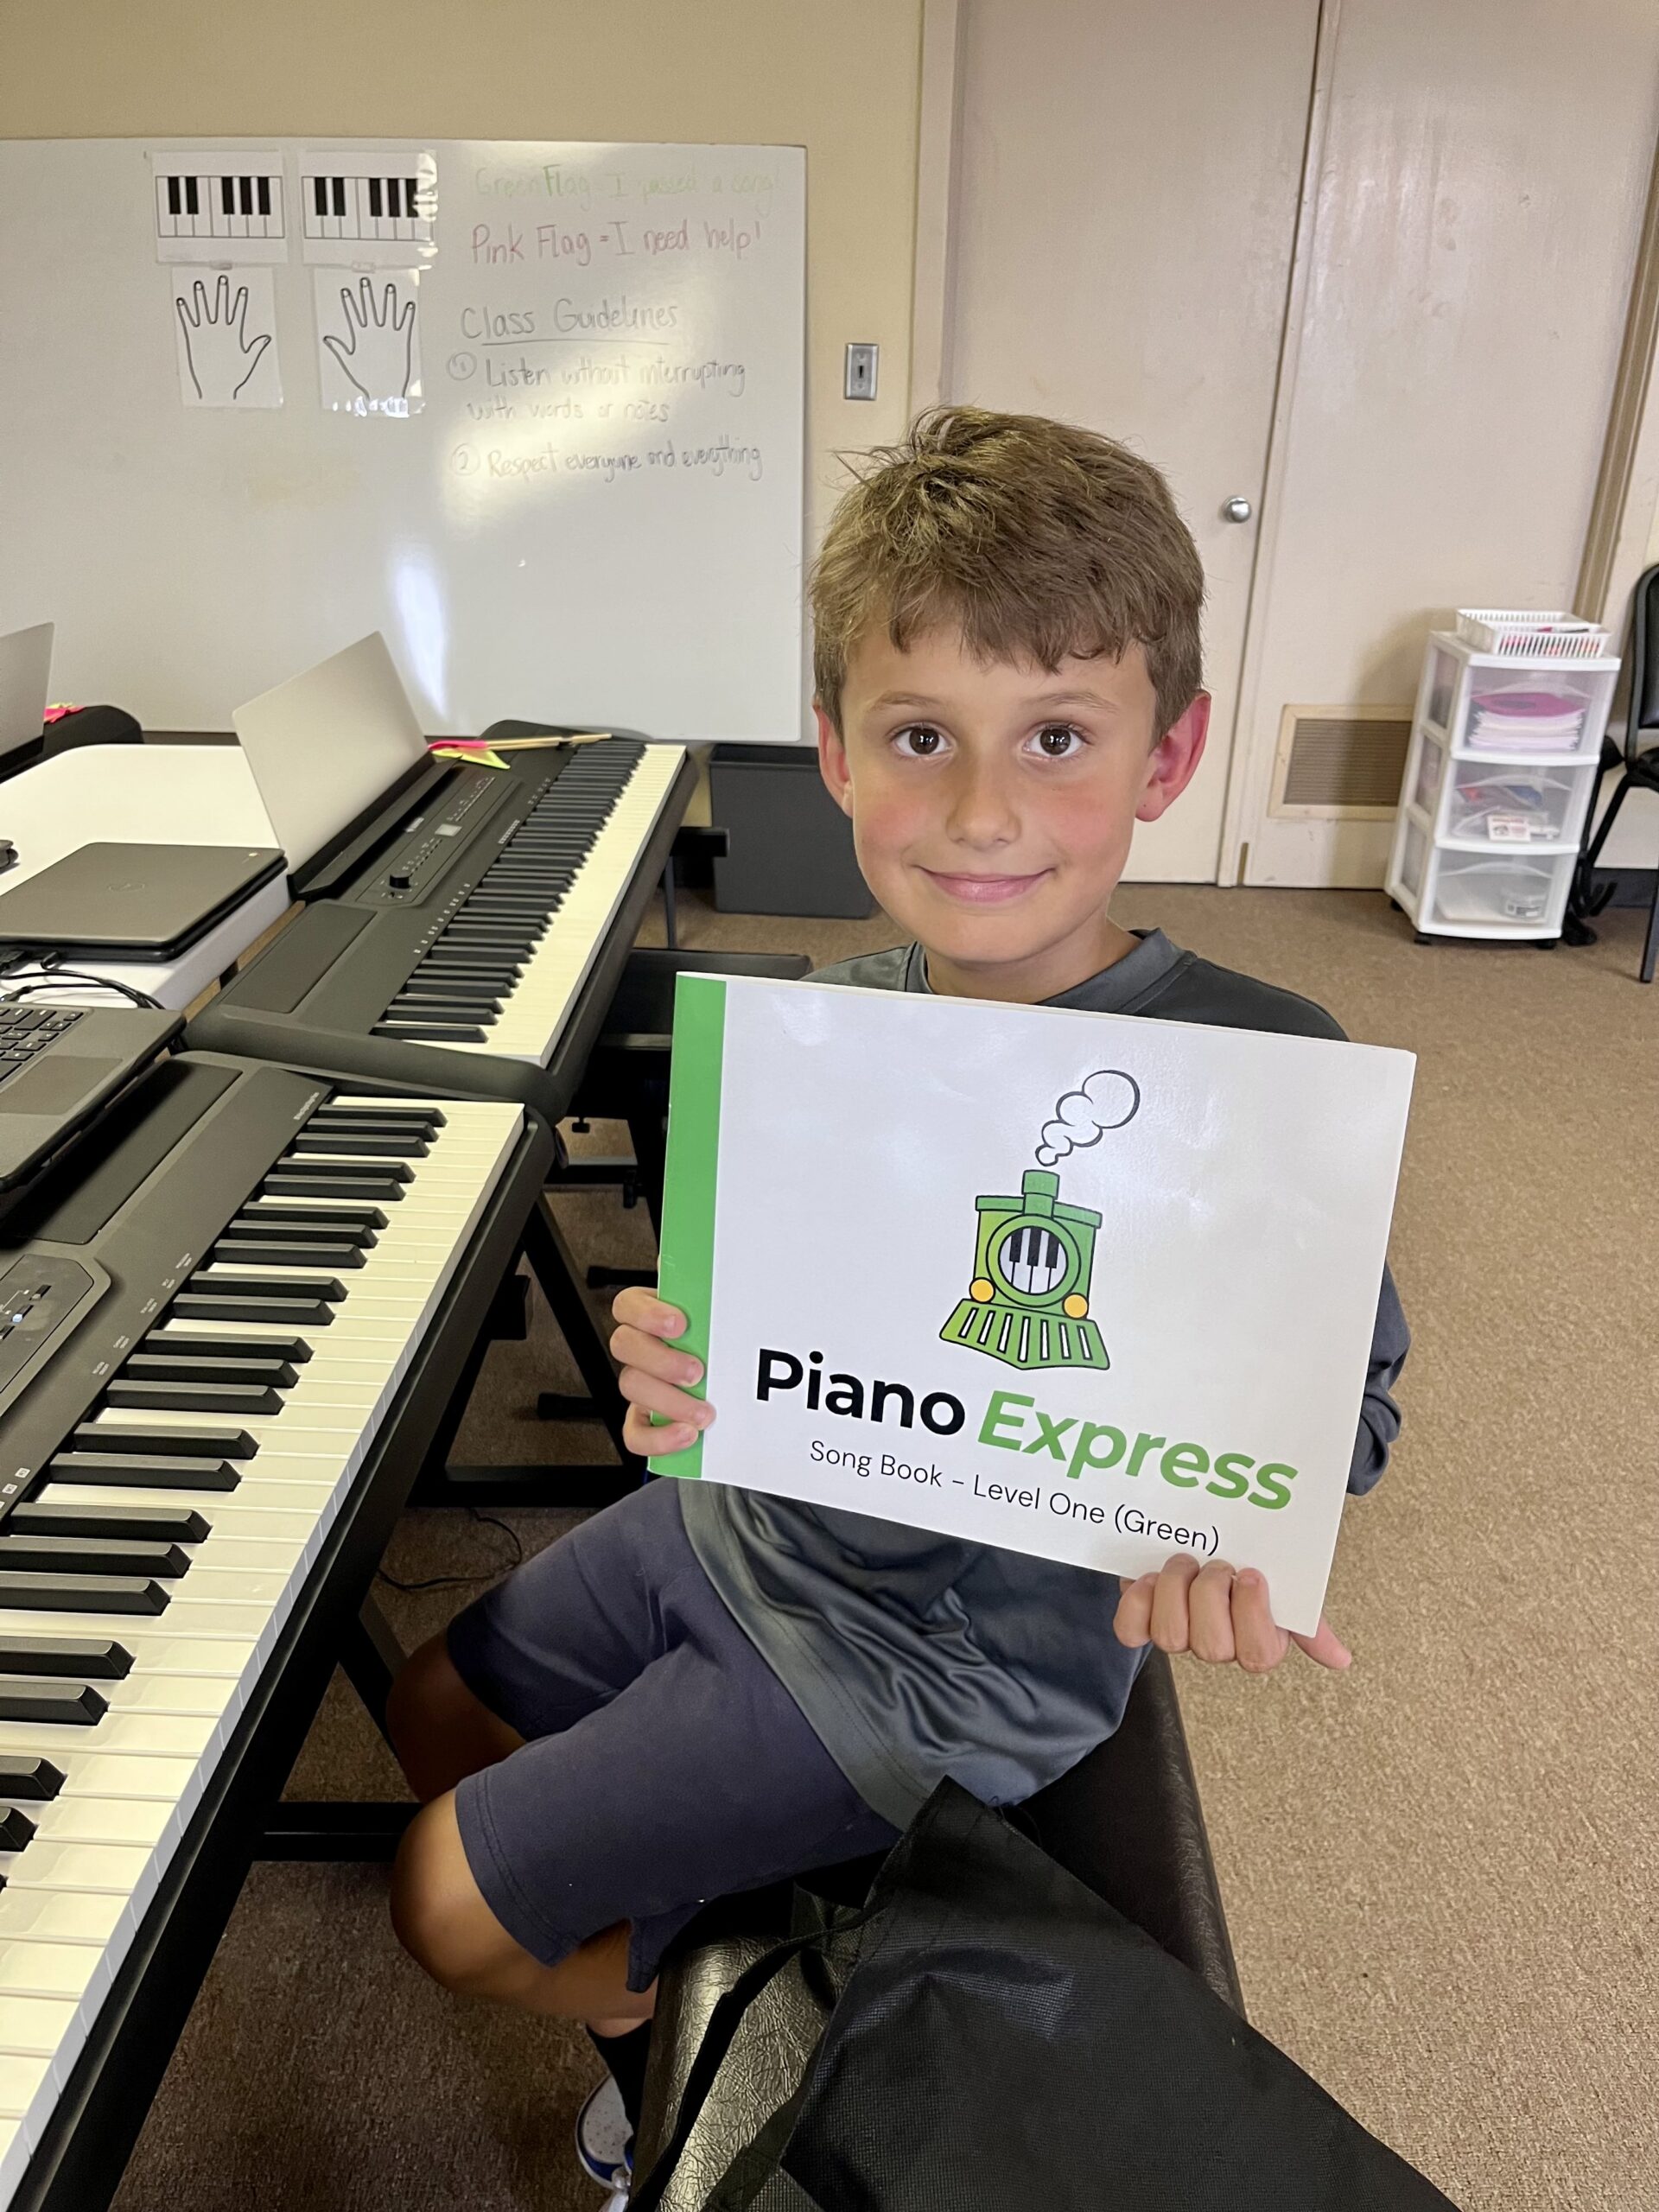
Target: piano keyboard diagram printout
{"points": [[219, 208]]}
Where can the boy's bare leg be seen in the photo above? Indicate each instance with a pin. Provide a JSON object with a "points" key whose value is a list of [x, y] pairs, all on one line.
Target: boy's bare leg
{"points": [[441, 1733], [443, 1923], [439, 1730]]}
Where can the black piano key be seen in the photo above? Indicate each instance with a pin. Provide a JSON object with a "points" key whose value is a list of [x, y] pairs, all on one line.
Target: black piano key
{"points": [[36, 1780], [228, 1283], [228, 196], [338, 1218], [338, 185], [90, 1555], [377, 1171], [192, 1398], [178, 1440], [388, 1124], [62, 1704], [408, 195], [244, 194], [419, 1008], [377, 1189], [225, 1364], [16, 1828], [354, 1144], [192, 202], [276, 1252], [431, 1032], [162, 1524], [129, 1471], [81, 1593], [374, 195], [317, 1228], [297, 1313], [320, 194], [261, 188], [180, 1344], [174, 203], [90, 1658], [442, 991]]}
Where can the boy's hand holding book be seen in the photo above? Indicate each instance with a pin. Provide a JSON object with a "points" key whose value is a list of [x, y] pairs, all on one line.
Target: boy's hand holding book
{"points": [[1219, 1615], [655, 1377]]}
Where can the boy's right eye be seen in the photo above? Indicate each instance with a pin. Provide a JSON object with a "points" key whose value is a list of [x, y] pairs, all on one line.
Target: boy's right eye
{"points": [[916, 741]]}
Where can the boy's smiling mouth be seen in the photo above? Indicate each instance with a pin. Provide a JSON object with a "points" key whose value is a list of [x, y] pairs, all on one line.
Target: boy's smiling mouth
{"points": [[984, 890]]}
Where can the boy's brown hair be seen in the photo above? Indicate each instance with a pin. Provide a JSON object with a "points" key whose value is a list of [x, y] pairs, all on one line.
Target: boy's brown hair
{"points": [[1034, 539]]}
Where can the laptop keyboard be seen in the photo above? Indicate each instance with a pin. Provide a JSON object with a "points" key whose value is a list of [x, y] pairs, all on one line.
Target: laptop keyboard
{"points": [[26, 1031]]}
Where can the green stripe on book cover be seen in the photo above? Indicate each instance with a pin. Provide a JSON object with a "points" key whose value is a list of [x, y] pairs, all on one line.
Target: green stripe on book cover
{"points": [[685, 1278]]}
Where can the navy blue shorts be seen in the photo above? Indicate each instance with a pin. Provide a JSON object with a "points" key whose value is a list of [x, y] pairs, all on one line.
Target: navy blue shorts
{"points": [[665, 1763]]}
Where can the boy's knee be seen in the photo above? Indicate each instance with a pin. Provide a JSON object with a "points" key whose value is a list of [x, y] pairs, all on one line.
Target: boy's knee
{"points": [[438, 1913]]}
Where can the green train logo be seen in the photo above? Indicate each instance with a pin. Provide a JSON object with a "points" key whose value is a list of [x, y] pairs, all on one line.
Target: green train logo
{"points": [[1027, 1304]]}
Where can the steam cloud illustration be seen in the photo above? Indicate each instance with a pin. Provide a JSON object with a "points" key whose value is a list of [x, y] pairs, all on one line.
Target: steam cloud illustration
{"points": [[1106, 1100]]}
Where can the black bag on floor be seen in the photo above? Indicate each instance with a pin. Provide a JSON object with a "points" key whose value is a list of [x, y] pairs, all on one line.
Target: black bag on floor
{"points": [[996, 2037]]}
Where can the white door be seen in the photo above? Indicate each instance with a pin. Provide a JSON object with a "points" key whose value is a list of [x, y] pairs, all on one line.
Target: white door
{"points": [[1464, 280], [1125, 209]]}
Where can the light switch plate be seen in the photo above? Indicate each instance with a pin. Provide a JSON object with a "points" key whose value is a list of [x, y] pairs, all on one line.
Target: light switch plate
{"points": [[861, 372]]}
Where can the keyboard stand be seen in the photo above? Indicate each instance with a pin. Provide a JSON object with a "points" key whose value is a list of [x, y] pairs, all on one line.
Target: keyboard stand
{"points": [[600, 1482], [330, 1828]]}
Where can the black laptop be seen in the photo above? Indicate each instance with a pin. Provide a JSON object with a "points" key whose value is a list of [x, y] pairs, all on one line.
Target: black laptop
{"points": [[133, 902], [60, 1067]]}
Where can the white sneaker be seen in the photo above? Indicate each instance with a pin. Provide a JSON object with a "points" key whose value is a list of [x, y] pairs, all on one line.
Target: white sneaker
{"points": [[604, 2139]]}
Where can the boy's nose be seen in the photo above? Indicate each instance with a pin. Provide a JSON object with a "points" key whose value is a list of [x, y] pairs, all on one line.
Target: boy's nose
{"points": [[981, 812]]}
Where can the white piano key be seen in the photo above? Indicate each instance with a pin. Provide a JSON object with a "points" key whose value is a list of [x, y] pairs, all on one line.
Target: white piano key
{"points": [[58, 1916], [245, 1510], [72, 1819], [21, 2083], [35, 2027], [88, 1869], [65, 1971], [145, 1734]]}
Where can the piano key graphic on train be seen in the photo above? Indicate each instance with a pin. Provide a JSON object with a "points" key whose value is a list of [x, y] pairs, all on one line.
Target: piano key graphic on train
{"points": [[218, 207]]}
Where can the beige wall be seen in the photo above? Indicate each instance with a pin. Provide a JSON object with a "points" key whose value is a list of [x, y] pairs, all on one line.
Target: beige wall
{"points": [[840, 80]]}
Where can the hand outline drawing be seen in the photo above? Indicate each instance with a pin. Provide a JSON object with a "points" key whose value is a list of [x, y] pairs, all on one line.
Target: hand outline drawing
{"points": [[217, 351], [376, 354]]}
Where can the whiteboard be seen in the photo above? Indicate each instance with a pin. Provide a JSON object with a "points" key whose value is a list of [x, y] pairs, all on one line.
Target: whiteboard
{"points": [[591, 512]]}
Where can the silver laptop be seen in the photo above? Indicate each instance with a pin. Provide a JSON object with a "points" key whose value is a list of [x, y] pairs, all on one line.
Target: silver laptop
{"points": [[324, 745], [25, 672]]}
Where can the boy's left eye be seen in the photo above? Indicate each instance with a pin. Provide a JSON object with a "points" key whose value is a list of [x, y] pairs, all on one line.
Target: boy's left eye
{"points": [[1058, 742]]}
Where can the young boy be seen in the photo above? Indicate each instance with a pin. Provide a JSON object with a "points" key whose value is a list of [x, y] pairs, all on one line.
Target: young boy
{"points": [[704, 1689]]}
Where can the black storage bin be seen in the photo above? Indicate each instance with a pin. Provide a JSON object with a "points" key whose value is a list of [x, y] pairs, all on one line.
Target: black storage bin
{"points": [[790, 849]]}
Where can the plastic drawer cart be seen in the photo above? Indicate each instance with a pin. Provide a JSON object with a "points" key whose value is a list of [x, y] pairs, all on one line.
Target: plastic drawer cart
{"points": [[1505, 746]]}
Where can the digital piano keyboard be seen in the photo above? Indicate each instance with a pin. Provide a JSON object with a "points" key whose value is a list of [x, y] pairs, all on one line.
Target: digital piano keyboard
{"points": [[230, 1322], [474, 943]]}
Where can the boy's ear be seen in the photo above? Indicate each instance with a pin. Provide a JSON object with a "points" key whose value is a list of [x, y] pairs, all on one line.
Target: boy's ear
{"points": [[1174, 760], [832, 761]]}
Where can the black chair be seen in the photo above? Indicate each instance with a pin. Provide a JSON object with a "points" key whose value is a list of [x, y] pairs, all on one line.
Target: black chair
{"points": [[1639, 755], [1126, 1820]]}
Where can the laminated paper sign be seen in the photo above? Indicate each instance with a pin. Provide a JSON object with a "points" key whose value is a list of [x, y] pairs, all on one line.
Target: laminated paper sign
{"points": [[1083, 1285]]}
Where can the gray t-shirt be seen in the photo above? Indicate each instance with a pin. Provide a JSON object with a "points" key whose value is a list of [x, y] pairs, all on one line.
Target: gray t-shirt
{"points": [[916, 1655]]}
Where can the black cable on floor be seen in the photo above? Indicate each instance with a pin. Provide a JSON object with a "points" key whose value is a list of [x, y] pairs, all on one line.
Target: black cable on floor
{"points": [[466, 1581]]}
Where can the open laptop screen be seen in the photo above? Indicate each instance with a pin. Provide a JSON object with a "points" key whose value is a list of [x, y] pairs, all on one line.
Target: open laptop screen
{"points": [[324, 745], [25, 672]]}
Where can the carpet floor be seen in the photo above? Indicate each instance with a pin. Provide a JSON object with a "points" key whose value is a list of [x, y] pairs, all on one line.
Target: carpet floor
{"points": [[1439, 1869]]}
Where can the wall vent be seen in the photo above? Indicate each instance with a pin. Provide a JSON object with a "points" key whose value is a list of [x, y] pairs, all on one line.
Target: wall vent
{"points": [[1341, 760]]}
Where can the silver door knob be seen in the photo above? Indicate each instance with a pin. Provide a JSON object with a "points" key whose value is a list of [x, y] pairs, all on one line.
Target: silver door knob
{"points": [[1237, 509]]}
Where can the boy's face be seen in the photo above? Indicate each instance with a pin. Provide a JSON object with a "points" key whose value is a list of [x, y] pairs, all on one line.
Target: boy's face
{"points": [[993, 803]]}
